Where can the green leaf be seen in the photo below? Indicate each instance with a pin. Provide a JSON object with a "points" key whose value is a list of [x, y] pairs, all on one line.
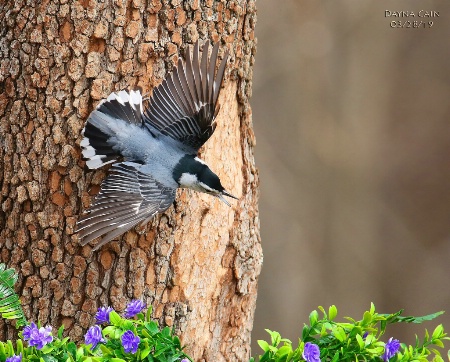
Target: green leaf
{"points": [[332, 312], [284, 351], [60, 331], [305, 332], [152, 327], [48, 358], [323, 311], [275, 337], [105, 350], [145, 352], [369, 339], [264, 345], [115, 319], [2, 351], [323, 330], [335, 357], [313, 317], [286, 341], [383, 324], [367, 318], [339, 333], [438, 331], [112, 332], [360, 341], [19, 346], [127, 324], [10, 307], [47, 348], [265, 357], [176, 342], [72, 349], [396, 318], [427, 336], [80, 353], [148, 314]]}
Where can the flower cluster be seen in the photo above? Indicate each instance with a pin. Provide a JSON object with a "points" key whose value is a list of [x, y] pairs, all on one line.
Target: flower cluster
{"points": [[311, 352], [133, 308], [37, 337], [93, 336], [390, 349], [130, 342], [14, 358], [102, 315]]}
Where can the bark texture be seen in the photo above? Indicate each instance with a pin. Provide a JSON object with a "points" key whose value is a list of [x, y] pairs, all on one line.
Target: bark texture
{"points": [[198, 263]]}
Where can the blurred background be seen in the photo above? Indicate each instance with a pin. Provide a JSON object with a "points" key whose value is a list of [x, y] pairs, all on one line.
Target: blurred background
{"points": [[352, 121]]}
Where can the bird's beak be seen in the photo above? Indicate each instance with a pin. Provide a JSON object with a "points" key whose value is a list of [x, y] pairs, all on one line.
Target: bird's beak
{"points": [[222, 198]]}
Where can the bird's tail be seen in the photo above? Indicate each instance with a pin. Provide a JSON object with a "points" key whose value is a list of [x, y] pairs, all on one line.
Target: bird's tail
{"points": [[104, 126]]}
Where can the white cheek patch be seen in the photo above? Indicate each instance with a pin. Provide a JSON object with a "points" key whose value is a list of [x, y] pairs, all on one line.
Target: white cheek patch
{"points": [[188, 180]]}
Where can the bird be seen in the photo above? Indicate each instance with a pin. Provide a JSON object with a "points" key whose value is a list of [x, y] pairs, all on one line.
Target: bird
{"points": [[152, 144]]}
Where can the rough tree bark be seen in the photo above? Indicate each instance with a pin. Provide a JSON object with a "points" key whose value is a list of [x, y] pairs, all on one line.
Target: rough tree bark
{"points": [[198, 263]]}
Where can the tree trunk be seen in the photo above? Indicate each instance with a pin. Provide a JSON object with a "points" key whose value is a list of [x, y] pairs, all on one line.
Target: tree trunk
{"points": [[198, 263]]}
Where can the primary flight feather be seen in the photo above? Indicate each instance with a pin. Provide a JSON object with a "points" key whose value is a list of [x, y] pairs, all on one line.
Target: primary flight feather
{"points": [[157, 144]]}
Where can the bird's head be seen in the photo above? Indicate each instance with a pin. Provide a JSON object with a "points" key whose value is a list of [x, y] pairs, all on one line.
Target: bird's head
{"points": [[199, 177]]}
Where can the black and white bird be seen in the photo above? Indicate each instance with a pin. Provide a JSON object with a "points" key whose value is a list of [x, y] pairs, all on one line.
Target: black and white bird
{"points": [[153, 148]]}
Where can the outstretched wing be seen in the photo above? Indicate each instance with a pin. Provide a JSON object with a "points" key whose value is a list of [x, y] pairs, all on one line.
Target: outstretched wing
{"points": [[184, 105], [127, 197]]}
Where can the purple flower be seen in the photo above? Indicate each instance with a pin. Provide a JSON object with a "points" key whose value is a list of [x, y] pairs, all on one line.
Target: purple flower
{"points": [[102, 315], [311, 352], [37, 337], [14, 358], [93, 336], [133, 308], [130, 342], [390, 349], [27, 331]]}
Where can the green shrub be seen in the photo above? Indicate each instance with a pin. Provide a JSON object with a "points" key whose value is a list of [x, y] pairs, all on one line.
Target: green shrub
{"points": [[326, 340]]}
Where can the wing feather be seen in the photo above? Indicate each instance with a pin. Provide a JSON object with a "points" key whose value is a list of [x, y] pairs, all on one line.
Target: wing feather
{"points": [[127, 197], [204, 72], [211, 71], [219, 78], [184, 105], [182, 84]]}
